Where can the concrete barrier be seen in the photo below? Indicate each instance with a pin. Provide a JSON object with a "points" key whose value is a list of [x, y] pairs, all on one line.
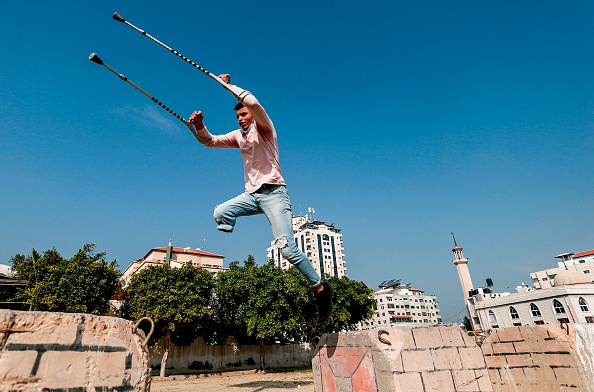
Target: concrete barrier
{"points": [[46, 351], [542, 358], [552, 357], [439, 358]]}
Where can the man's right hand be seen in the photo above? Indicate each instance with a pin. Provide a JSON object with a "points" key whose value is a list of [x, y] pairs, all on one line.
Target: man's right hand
{"points": [[225, 78], [196, 119]]}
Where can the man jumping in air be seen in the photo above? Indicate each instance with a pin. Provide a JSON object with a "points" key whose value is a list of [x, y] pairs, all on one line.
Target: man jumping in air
{"points": [[265, 188]]}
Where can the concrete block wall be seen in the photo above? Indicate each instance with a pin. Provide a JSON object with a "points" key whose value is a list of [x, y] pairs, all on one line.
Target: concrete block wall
{"points": [[584, 347], [46, 351], [540, 358], [549, 357], [200, 357], [438, 358]]}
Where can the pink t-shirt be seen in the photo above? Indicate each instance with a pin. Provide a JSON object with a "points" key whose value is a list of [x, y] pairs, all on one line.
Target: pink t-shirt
{"points": [[258, 147]]}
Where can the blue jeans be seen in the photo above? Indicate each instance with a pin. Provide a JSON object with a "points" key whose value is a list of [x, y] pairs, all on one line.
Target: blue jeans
{"points": [[274, 201]]}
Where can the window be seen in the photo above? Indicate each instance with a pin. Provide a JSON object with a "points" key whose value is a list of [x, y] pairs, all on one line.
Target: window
{"points": [[513, 313], [584, 305], [559, 309], [492, 318], [586, 271], [535, 310], [590, 320]]}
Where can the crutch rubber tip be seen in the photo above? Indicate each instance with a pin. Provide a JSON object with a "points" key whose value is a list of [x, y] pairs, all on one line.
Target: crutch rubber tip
{"points": [[118, 17], [94, 58]]}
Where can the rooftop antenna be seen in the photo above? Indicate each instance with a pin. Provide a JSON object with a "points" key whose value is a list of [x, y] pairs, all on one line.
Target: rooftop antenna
{"points": [[454, 237], [203, 241], [311, 213]]}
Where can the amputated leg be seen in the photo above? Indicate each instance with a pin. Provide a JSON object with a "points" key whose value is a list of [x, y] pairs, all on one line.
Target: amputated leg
{"points": [[227, 213]]}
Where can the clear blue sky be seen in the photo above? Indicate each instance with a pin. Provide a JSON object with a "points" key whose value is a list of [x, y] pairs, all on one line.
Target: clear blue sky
{"points": [[398, 121]]}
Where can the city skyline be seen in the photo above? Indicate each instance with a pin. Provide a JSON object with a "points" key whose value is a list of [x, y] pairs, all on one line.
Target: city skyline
{"points": [[398, 122]]}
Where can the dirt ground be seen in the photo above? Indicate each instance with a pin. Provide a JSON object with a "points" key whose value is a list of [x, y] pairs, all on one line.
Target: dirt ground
{"points": [[247, 381]]}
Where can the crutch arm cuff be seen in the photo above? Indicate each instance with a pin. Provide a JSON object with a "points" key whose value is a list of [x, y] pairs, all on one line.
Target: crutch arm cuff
{"points": [[237, 92]]}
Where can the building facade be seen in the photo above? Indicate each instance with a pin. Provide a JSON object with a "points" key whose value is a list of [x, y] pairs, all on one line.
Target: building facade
{"points": [[9, 286], [401, 305], [321, 242], [582, 261], [563, 294], [568, 303], [175, 257]]}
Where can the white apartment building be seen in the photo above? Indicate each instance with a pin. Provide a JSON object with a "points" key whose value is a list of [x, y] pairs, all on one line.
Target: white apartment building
{"points": [[175, 257], [401, 305], [564, 294], [322, 243], [582, 262]]}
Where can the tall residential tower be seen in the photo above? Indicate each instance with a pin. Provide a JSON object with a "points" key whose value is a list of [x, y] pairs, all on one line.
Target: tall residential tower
{"points": [[321, 242]]}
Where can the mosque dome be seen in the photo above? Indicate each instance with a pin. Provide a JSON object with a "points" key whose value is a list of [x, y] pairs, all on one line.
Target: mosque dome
{"points": [[571, 277]]}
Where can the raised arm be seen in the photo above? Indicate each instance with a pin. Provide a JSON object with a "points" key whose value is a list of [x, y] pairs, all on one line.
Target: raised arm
{"points": [[204, 137], [249, 100]]}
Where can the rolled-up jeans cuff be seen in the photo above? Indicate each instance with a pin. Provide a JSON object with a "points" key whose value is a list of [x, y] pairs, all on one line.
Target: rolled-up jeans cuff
{"points": [[316, 284], [225, 228]]}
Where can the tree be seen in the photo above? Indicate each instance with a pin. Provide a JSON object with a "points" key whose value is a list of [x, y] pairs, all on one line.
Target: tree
{"points": [[353, 303], [261, 303], [82, 284], [176, 299], [467, 324], [35, 267]]}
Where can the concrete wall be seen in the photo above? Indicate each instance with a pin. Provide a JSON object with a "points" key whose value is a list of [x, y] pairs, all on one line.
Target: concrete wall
{"points": [[543, 358], [442, 358], [438, 358], [200, 357], [46, 351], [584, 347]]}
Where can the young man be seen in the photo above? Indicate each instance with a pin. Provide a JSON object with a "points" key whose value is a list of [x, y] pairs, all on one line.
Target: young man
{"points": [[265, 187]]}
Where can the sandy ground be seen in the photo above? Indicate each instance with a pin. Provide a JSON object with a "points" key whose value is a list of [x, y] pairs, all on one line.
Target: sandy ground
{"points": [[248, 381]]}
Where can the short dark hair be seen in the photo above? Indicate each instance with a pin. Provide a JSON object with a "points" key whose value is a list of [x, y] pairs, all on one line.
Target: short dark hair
{"points": [[238, 106]]}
